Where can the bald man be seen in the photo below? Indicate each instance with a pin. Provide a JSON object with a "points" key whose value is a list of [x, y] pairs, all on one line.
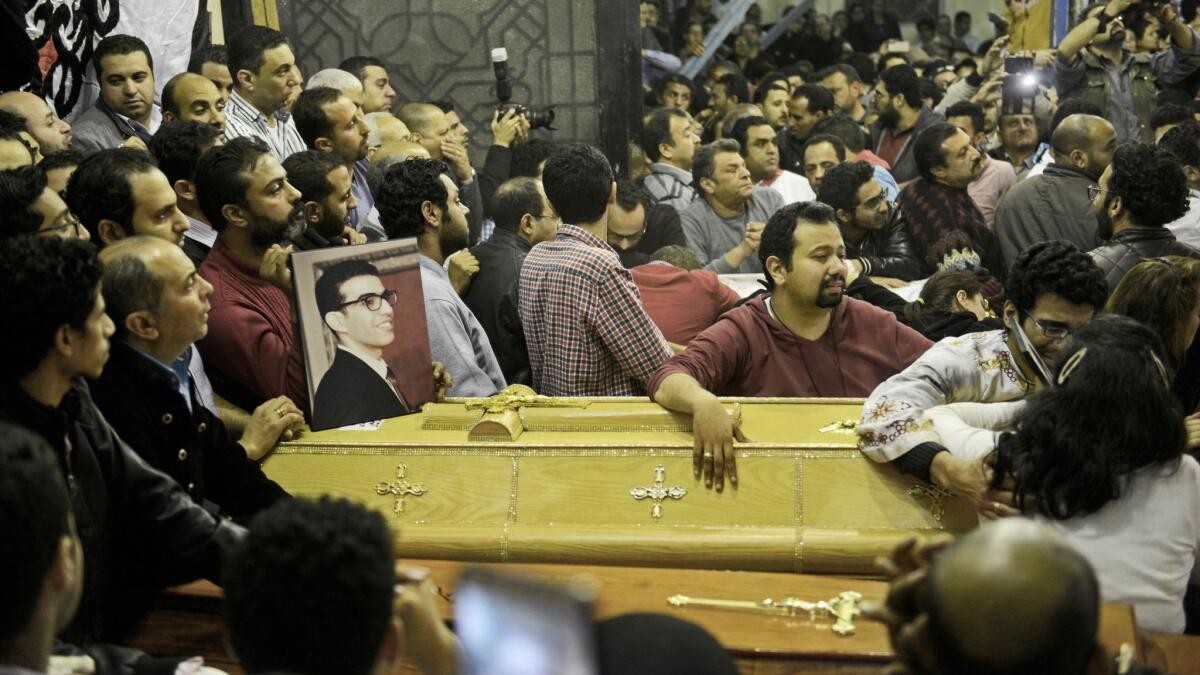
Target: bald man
{"points": [[51, 133], [189, 97], [430, 127], [1055, 205], [1010, 597], [384, 128]]}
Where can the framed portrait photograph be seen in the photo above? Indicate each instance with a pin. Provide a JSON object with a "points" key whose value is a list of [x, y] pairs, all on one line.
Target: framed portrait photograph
{"points": [[362, 326]]}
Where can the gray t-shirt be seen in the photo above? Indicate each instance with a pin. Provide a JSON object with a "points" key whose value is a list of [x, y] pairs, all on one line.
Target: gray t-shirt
{"points": [[456, 339], [712, 236]]}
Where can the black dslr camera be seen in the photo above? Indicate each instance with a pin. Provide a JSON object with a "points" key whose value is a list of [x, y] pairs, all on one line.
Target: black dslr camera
{"points": [[542, 118]]}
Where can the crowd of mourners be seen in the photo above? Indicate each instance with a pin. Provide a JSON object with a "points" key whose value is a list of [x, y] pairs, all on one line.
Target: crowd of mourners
{"points": [[991, 240]]}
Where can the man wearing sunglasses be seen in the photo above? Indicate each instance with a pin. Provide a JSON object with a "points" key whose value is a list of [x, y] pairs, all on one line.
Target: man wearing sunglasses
{"points": [[359, 386], [1053, 289]]}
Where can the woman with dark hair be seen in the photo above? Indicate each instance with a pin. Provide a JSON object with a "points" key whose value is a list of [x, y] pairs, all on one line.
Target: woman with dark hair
{"points": [[1164, 294], [1099, 456], [951, 304]]}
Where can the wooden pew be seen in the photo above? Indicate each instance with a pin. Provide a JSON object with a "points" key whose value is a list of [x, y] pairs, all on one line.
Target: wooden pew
{"points": [[189, 620]]}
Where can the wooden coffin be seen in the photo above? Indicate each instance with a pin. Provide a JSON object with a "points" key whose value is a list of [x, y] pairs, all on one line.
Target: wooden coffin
{"points": [[564, 490]]}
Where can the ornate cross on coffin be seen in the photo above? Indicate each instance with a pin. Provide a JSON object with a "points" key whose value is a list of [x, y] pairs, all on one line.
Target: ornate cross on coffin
{"points": [[501, 418], [658, 492], [843, 609], [400, 488]]}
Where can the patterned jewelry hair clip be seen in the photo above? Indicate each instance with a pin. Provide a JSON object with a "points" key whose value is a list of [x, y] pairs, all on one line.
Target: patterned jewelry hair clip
{"points": [[1162, 368], [1070, 366]]}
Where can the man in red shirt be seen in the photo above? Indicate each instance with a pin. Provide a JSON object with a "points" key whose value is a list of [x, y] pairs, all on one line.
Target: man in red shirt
{"points": [[252, 339], [801, 339], [681, 298]]}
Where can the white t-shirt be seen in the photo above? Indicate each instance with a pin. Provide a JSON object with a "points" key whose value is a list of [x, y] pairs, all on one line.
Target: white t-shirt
{"points": [[791, 186]]}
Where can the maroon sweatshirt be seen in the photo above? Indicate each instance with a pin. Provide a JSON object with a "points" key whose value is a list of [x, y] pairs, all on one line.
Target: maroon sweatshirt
{"points": [[747, 352]]}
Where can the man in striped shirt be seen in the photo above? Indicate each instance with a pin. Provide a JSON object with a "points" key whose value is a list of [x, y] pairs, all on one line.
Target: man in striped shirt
{"points": [[264, 77]]}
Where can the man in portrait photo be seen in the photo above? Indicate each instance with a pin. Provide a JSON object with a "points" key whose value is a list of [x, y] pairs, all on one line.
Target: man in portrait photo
{"points": [[359, 385]]}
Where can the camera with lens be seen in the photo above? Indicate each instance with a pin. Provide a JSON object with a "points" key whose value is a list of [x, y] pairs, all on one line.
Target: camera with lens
{"points": [[539, 118]]}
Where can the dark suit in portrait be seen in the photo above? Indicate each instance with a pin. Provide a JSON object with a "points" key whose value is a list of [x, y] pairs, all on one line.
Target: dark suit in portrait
{"points": [[352, 392]]}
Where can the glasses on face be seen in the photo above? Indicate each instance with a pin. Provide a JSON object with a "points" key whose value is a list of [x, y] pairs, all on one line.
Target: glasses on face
{"points": [[69, 226], [1054, 331], [1094, 190], [614, 237], [552, 217], [373, 301]]}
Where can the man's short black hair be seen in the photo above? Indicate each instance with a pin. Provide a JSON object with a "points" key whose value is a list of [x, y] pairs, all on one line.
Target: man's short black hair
{"points": [[1183, 142], [528, 156], [839, 187], [99, 189], [45, 283], [735, 86], [741, 130], [61, 159], [513, 199], [673, 78], [402, 190], [247, 46], [1169, 113], [839, 148], [631, 194], [223, 176], [310, 590], [819, 98], [1073, 106], [35, 513], [844, 127], [208, 54], [968, 109], [926, 22], [308, 171], [657, 130], [927, 148], [761, 92], [778, 237], [1057, 267], [20, 189], [1150, 183], [884, 58], [845, 69], [578, 181], [961, 14], [308, 112], [864, 65], [12, 123], [358, 64], [444, 105], [902, 80], [119, 45], [178, 146], [328, 288]]}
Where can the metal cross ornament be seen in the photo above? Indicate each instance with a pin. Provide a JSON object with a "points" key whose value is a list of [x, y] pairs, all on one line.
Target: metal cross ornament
{"points": [[658, 492], [400, 488]]}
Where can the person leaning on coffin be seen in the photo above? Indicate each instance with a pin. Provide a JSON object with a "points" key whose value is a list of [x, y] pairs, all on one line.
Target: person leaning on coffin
{"points": [[359, 386]]}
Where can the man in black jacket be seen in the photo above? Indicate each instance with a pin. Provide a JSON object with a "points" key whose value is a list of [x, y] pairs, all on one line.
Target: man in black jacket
{"points": [[159, 306], [637, 227], [140, 531], [1142, 190], [877, 243], [524, 218]]}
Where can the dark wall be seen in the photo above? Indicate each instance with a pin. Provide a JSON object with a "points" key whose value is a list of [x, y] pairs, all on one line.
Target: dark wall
{"points": [[440, 49]]}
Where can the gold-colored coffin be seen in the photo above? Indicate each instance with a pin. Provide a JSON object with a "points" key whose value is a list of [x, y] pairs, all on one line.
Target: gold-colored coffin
{"points": [[611, 483]]}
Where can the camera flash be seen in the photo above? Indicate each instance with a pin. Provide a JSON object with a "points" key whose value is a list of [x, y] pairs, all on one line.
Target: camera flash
{"points": [[499, 55]]}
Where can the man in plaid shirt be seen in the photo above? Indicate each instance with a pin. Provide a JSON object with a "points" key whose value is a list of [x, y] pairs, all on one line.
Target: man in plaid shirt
{"points": [[587, 332]]}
